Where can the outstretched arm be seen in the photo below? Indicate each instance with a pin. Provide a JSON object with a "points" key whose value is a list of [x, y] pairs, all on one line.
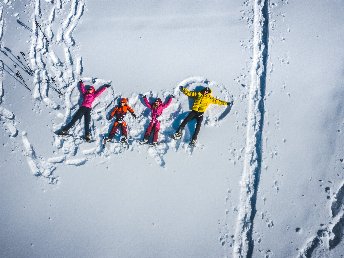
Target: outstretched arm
{"points": [[82, 87], [167, 103], [188, 92], [100, 91], [219, 101], [145, 100], [113, 112], [131, 111]]}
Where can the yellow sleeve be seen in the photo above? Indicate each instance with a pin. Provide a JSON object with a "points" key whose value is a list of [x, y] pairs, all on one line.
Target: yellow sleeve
{"points": [[189, 93], [219, 101]]}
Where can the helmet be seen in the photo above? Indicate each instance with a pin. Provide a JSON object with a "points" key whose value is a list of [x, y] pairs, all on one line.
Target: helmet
{"points": [[124, 101]]}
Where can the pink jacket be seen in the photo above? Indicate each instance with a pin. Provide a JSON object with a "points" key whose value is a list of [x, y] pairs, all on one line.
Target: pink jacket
{"points": [[89, 97], [157, 111]]}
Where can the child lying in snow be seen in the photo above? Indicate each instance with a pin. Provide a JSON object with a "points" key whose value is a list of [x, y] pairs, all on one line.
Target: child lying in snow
{"points": [[119, 112], [154, 126]]}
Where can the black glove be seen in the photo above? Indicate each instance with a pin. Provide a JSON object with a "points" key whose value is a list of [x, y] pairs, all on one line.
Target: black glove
{"points": [[107, 85], [172, 96], [180, 87], [134, 115], [229, 103], [80, 81], [144, 96]]}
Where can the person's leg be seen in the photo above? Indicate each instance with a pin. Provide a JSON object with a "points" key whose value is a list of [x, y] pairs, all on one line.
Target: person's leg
{"points": [[187, 119], [149, 130], [76, 117], [124, 129], [156, 132], [87, 121], [199, 119], [113, 130]]}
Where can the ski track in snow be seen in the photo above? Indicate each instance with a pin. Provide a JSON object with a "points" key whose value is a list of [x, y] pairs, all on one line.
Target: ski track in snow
{"points": [[328, 237], [6, 116], [243, 239]]}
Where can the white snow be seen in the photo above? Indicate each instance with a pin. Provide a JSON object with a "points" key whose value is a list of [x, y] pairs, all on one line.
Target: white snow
{"points": [[266, 177]]}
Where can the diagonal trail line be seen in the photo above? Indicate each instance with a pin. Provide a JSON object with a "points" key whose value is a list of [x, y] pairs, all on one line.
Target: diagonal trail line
{"points": [[244, 242]]}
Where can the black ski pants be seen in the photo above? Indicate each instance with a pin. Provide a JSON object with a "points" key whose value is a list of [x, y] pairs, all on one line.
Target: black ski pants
{"points": [[193, 115], [82, 111]]}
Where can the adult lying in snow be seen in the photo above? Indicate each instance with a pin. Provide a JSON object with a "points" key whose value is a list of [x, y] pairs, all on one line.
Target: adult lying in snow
{"points": [[89, 95], [154, 125], [203, 99]]}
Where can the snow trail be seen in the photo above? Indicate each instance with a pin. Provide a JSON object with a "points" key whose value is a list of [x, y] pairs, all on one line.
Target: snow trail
{"points": [[328, 237], [244, 244]]}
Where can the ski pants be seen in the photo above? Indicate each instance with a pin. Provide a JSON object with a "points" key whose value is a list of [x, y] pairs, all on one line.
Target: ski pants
{"points": [[154, 126], [193, 115], [82, 111], [118, 124]]}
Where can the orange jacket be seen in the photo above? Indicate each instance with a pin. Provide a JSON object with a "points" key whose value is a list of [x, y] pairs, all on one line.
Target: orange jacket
{"points": [[120, 111]]}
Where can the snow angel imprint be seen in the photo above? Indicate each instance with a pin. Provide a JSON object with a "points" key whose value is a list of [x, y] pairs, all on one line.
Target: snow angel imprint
{"points": [[202, 99], [89, 95]]}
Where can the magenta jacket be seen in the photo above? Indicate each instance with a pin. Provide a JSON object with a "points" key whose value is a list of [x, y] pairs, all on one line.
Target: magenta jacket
{"points": [[156, 111], [89, 97]]}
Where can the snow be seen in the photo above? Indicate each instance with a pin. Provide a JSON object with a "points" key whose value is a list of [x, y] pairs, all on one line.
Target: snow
{"points": [[266, 177]]}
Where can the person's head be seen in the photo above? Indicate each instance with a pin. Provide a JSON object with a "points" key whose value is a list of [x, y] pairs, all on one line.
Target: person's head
{"points": [[206, 90], [124, 101], [157, 102], [90, 89]]}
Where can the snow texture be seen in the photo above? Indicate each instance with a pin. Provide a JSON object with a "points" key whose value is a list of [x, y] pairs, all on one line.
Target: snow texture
{"points": [[265, 178]]}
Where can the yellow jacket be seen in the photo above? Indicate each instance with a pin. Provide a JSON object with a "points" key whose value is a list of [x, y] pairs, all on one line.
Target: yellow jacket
{"points": [[202, 101]]}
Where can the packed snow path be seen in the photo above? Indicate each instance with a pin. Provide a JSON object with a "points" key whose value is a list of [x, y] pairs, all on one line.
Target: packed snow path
{"points": [[253, 154]]}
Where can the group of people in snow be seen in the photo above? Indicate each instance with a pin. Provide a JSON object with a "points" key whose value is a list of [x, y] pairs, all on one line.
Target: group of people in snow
{"points": [[202, 99]]}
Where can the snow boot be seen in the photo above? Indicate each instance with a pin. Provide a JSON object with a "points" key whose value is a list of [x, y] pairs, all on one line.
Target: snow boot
{"points": [[62, 132], [177, 135], [106, 140], [144, 141], [88, 137], [124, 139], [193, 142]]}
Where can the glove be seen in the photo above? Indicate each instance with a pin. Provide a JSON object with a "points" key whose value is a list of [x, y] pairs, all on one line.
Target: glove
{"points": [[229, 103], [109, 118], [107, 85], [134, 115], [172, 96], [180, 87], [144, 96], [80, 81]]}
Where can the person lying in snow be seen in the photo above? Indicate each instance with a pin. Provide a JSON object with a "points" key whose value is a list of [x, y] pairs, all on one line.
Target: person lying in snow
{"points": [[154, 125], [203, 99], [89, 95], [119, 113]]}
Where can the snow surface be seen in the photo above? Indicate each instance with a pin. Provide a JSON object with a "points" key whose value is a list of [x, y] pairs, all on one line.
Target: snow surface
{"points": [[266, 178]]}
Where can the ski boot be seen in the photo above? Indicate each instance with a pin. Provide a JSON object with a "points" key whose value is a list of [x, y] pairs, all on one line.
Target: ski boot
{"points": [[154, 144]]}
